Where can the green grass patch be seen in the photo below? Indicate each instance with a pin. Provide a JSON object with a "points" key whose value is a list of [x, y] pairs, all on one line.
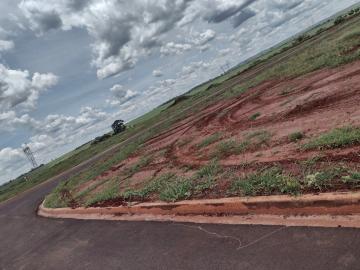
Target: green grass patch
{"points": [[323, 180], [353, 179], [259, 138], [143, 162], [209, 140], [179, 189], [228, 148], [254, 116], [296, 136], [268, 182], [337, 138]]}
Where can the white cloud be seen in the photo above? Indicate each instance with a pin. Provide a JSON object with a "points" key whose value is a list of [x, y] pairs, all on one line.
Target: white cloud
{"points": [[172, 48], [123, 30], [157, 73], [8, 157], [204, 37], [120, 95], [17, 89], [6, 45]]}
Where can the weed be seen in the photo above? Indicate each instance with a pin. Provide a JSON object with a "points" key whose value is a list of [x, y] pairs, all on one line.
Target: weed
{"points": [[259, 138], [336, 138], [177, 190], [270, 181], [296, 136], [184, 141], [230, 147], [254, 116], [324, 179], [209, 140], [110, 192], [143, 162], [205, 178], [153, 186], [209, 170], [286, 91], [353, 179]]}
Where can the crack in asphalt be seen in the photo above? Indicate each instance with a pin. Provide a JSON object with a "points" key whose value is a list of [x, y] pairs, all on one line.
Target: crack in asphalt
{"points": [[240, 246]]}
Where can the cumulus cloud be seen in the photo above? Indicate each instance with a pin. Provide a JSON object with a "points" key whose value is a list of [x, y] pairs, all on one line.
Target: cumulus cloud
{"points": [[6, 45], [19, 89], [53, 135], [123, 30], [120, 95], [205, 37], [8, 157], [157, 73], [19, 93], [219, 10], [242, 17], [172, 48]]}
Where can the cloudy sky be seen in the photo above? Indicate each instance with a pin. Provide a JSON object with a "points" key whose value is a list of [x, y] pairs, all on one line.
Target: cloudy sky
{"points": [[68, 68]]}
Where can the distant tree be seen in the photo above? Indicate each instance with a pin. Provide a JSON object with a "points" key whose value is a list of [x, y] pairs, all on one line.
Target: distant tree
{"points": [[118, 126], [339, 20]]}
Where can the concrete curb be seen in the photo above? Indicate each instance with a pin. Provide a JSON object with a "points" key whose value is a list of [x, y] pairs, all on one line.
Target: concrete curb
{"points": [[324, 210]]}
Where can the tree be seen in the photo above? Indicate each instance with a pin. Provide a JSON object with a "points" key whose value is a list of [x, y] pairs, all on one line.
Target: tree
{"points": [[118, 126]]}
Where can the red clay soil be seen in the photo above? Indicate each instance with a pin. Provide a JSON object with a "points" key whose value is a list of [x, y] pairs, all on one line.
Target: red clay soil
{"points": [[312, 104]]}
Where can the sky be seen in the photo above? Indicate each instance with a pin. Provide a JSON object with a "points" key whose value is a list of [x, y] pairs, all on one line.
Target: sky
{"points": [[69, 68]]}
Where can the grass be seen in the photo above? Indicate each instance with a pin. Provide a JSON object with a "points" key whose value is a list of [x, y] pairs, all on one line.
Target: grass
{"points": [[179, 189], [353, 179], [143, 162], [336, 138], [111, 192], [204, 179], [296, 136], [323, 180], [254, 116], [268, 182], [231, 147], [209, 140], [228, 148], [286, 91], [259, 138]]}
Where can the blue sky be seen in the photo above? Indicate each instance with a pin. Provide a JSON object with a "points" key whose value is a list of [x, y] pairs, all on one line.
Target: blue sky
{"points": [[69, 68]]}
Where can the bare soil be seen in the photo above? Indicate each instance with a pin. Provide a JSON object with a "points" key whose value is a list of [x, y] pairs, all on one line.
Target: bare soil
{"points": [[312, 104]]}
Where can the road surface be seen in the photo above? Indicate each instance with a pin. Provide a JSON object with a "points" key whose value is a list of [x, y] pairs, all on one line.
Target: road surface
{"points": [[31, 242]]}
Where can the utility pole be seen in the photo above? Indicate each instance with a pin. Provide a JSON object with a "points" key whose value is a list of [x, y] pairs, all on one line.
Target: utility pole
{"points": [[30, 156]]}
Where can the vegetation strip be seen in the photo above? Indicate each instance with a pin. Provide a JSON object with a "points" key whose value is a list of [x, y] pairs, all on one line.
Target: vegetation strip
{"points": [[329, 206]]}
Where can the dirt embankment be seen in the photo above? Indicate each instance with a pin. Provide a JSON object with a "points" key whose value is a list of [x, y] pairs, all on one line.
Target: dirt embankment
{"points": [[262, 119]]}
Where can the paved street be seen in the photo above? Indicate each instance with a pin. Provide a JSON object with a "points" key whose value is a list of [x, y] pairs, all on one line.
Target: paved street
{"points": [[32, 242]]}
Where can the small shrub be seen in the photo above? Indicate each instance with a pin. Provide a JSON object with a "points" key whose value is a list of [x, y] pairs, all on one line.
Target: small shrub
{"points": [[254, 116], [296, 136], [336, 138]]}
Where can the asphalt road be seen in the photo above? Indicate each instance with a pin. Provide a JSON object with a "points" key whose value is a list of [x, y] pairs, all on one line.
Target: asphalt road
{"points": [[31, 242]]}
